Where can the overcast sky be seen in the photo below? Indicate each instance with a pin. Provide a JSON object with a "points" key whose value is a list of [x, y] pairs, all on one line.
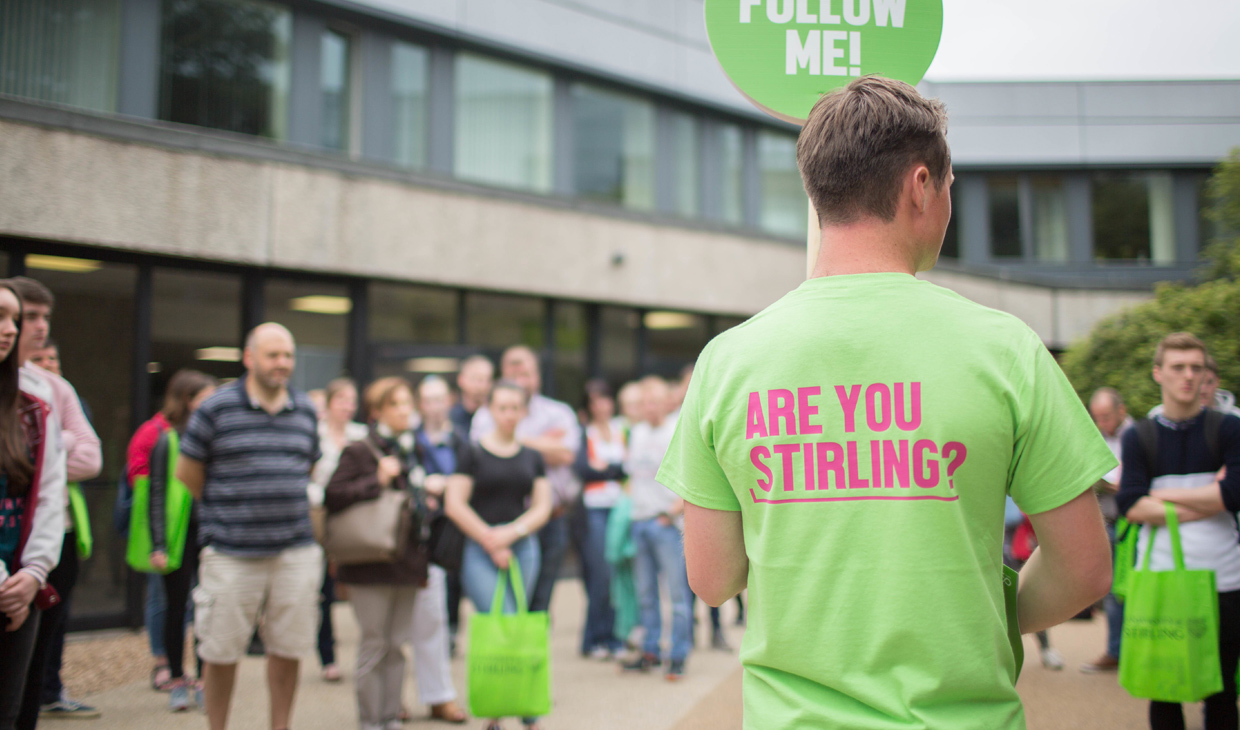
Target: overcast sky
{"points": [[1088, 39]]}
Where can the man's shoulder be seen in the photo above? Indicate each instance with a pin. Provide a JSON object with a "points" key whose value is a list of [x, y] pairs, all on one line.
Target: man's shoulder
{"points": [[556, 408]]}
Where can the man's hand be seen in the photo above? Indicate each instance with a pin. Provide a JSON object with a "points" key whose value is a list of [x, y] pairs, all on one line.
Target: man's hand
{"points": [[1207, 500], [159, 560], [435, 484], [389, 469], [17, 593]]}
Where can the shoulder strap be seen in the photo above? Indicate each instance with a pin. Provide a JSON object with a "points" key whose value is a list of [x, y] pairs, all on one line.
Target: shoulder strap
{"points": [[1147, 436], [1213, 423]]}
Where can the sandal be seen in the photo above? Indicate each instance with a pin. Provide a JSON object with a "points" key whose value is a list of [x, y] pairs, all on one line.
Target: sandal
{"points": [[161, 678], [449, 712]]}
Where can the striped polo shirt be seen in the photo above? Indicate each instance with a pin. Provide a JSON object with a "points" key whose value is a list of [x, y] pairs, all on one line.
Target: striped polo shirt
{"points": [[257, 464]]}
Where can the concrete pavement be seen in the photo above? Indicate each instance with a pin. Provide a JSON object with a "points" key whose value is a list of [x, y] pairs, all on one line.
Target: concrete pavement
{"points": [[587, 693]]}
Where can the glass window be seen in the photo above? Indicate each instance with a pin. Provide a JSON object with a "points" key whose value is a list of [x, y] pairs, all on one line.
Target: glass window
{"points": [[410, 69], [723, 324], [613, 139], [732, 169], [317, 315], [212, 303], [1050, 219], [569, 359], [785, 207], [334, 71], [687, 182], [62, 51], [412, 314], [503, 123], [674, 340], [618, 344], [225, 65], [1208, 227], [93, 326], [1003, 192], [1162, 216], [1121, 207], [496, 321]]}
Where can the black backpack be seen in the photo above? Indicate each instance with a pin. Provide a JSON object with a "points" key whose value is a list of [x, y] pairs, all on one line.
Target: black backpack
{"points": [[1147, 436]]}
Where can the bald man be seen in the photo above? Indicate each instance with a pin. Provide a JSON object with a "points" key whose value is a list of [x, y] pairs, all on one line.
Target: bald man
{"points": [[246, 456]]}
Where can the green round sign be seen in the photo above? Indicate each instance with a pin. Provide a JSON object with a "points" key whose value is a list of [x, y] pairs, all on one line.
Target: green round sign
{"points": [[784, 54]]}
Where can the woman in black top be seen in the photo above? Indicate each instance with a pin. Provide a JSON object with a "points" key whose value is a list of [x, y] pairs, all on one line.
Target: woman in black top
{"points": [[499, 498]]}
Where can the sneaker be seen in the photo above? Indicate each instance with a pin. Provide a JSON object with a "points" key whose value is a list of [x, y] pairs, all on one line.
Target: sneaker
{"points": [[179, 700], [1052, 659], [643, 663], [600, 653], [675, 670], [1104, 663], [69, 709], [719, 641]]}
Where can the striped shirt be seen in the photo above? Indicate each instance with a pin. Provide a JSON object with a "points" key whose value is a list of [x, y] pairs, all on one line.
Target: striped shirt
{"points": [[257, 466]]}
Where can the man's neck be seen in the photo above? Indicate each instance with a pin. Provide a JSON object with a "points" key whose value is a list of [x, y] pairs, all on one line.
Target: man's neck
{"points": [[865, 247], [271, 400], [471, 405], [1175, 411], [436, 427]]}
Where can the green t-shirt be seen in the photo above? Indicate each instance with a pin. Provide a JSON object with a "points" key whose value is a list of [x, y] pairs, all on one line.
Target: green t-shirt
{"points": [[867, 428]]}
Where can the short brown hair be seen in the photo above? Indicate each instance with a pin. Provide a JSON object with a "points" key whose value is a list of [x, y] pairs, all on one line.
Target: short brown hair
{"points": [[1178, 341], [31, 291], [336, 387], [380, 392], [860, 140], [1211, 364]]}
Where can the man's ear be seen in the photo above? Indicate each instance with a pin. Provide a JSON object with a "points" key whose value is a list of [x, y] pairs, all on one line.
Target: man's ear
{"points": [[921, 182]]}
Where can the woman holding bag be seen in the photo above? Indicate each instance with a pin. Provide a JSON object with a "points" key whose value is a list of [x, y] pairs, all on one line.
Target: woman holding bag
{"points": [[488, 500], [382, 594], [149, 457]]}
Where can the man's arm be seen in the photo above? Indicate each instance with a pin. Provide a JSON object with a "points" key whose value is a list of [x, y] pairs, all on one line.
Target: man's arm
{"points": [[83, 454], [1070, 569], [715, 553], [192, 474], [1204, 501]]}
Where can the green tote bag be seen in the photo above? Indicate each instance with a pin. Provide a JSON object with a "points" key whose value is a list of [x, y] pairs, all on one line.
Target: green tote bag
{"points": [[177, 505], [1125, 556], [509, 656], [1169, 650]]}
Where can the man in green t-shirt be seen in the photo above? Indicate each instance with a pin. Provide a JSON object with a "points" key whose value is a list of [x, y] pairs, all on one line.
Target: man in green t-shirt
{"points": [[845, 454]]}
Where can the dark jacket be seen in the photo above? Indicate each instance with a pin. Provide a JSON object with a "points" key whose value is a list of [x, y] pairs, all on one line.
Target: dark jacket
{"points": [[356, 480]]}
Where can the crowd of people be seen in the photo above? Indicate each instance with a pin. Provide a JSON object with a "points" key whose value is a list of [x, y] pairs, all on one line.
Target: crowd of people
{"points": [[226, 490]]}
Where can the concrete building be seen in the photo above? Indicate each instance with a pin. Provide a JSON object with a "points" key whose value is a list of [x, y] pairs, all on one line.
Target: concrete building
{"points": [[405, 182]]}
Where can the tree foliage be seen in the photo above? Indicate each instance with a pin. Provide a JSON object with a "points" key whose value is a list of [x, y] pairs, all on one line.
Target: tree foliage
{"points": [[1119, 352]]}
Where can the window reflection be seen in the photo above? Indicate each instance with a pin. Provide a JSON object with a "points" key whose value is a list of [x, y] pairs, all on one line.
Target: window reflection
{"points": [[1050, 219], [613, 137], [618, 343], [1003, 193], [732, 168], [1134, 216], [687, 182], [93, 325], [318, 316], [62, 51], [568, 361], [496, 321], [409, 110], [785, 207], [503, 123], [674, 339], [334, 83], [225, 65], [195, 323]]}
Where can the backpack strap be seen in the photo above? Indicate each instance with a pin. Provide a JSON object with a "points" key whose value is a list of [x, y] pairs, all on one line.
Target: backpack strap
{"points": [[1213, 423], [1147, 436]]}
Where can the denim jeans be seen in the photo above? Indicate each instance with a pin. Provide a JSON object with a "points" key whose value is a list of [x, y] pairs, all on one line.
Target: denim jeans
{"points": [[155, 609], [600, 616], [552, 544], [479, 574], [660, 551]]}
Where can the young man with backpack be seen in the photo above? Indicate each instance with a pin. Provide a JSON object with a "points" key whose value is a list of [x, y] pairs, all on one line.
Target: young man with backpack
{"points": [[1178, 457]]}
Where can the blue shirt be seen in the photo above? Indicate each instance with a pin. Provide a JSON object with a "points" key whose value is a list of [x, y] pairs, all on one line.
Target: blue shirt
{"points": [[254, 501]]}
